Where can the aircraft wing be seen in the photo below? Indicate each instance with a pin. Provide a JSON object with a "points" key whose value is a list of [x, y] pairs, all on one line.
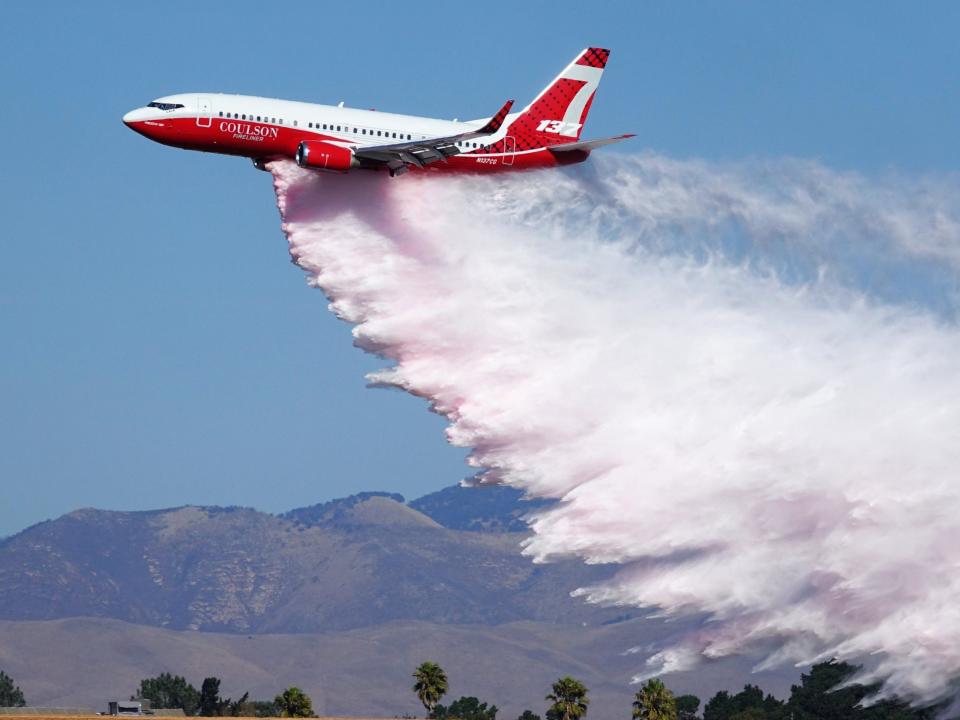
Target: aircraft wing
{"points": [[398, 156]]}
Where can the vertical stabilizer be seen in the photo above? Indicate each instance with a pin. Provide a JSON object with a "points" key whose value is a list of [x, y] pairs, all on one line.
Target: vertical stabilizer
{"points": [[558, 113]]}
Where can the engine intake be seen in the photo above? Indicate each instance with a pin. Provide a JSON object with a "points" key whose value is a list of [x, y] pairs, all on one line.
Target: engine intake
{"points": [[325, 156]]}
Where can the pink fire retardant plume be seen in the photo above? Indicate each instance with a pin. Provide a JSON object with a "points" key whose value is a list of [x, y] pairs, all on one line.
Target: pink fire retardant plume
{"points": [[743, 382]]}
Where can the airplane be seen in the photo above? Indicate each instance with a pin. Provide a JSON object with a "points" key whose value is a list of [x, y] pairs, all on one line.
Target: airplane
{"points": [[546, 133]]}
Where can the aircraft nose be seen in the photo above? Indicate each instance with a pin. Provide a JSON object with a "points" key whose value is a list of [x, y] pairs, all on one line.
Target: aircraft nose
{"points": [[133, 116]]}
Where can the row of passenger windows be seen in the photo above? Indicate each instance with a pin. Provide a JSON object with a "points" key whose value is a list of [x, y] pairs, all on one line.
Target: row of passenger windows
{"points": [[360, 131], [337, 128], [313, 125]]}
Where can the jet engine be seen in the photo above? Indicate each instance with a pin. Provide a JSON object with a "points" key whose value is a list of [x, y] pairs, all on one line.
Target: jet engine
{"points": [[325, 156]]}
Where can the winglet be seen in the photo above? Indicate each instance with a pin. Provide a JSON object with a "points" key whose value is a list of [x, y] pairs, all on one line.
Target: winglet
{"points": [[497, 120]]}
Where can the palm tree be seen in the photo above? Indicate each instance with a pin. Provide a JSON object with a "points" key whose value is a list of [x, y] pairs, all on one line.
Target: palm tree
{"points": [[294, 703], [431, 684], [569, 698], [654, 701]]}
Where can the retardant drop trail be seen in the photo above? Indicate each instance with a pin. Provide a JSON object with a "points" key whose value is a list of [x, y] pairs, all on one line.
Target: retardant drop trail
{"points": [[743, 381]]}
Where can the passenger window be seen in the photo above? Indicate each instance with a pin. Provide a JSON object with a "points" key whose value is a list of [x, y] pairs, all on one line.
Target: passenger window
{"points": [[394, 134], [324, 126], [258, 118], [244, 117], [354, 130], [294, 123], [221, 113]]}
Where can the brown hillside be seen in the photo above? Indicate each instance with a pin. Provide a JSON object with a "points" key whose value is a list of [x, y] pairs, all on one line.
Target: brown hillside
{"points": [[362, 672]]}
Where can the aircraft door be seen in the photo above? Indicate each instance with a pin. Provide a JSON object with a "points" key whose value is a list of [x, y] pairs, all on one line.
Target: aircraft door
{"points": [[205, 112], [509, 148]]}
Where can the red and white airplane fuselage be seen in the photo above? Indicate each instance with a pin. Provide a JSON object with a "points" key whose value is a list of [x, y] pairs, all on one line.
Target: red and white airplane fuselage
{"points": [[334, 138]]}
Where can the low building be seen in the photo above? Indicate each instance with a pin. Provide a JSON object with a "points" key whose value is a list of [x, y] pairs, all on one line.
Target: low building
{"points": [[128, 707]]}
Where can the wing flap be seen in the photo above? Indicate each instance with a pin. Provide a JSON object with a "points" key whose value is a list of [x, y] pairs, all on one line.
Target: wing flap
{"points": [[429, 150]]}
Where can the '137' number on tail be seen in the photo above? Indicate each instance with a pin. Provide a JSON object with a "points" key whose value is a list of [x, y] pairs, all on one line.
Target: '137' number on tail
{"points": [[559, 127]]}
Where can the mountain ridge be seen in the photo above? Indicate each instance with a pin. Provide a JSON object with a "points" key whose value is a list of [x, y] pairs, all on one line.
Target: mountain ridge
{"points": [[354, 562]]}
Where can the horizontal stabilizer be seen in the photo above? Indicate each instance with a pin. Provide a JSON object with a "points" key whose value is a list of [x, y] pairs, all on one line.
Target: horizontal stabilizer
{"points": [[589, 144]]}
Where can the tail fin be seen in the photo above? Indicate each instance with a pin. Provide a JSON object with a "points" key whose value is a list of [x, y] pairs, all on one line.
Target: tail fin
{"points": [[558, 113]]}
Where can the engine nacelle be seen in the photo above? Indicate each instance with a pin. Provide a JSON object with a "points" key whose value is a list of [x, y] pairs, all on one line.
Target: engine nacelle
{"points": [[325, 156]]}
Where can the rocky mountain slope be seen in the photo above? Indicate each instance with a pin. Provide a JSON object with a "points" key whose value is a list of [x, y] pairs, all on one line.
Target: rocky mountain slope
{"points": [[351, 563]]}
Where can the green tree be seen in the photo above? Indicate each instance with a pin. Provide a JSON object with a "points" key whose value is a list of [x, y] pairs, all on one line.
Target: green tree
{"points": [[10, 694], [430, 685], [751, 713], [466, 708], [528, 715], [569, 700], [719, 707], [748, 704], [294, 703], [654, 701], [821, 695], [236, 708], [257, 708], [687, 707], [169, 691], [211, 704]]}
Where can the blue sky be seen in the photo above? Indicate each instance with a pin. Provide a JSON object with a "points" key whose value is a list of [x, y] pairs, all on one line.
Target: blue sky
{"points": [[158, 346]]}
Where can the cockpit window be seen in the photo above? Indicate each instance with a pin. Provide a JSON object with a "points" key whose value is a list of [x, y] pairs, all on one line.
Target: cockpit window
{"points": [[165, 106]]}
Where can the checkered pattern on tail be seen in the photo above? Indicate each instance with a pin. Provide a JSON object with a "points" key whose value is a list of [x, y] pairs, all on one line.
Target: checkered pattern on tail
{"points": [[558, 113], [594, 57]]}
